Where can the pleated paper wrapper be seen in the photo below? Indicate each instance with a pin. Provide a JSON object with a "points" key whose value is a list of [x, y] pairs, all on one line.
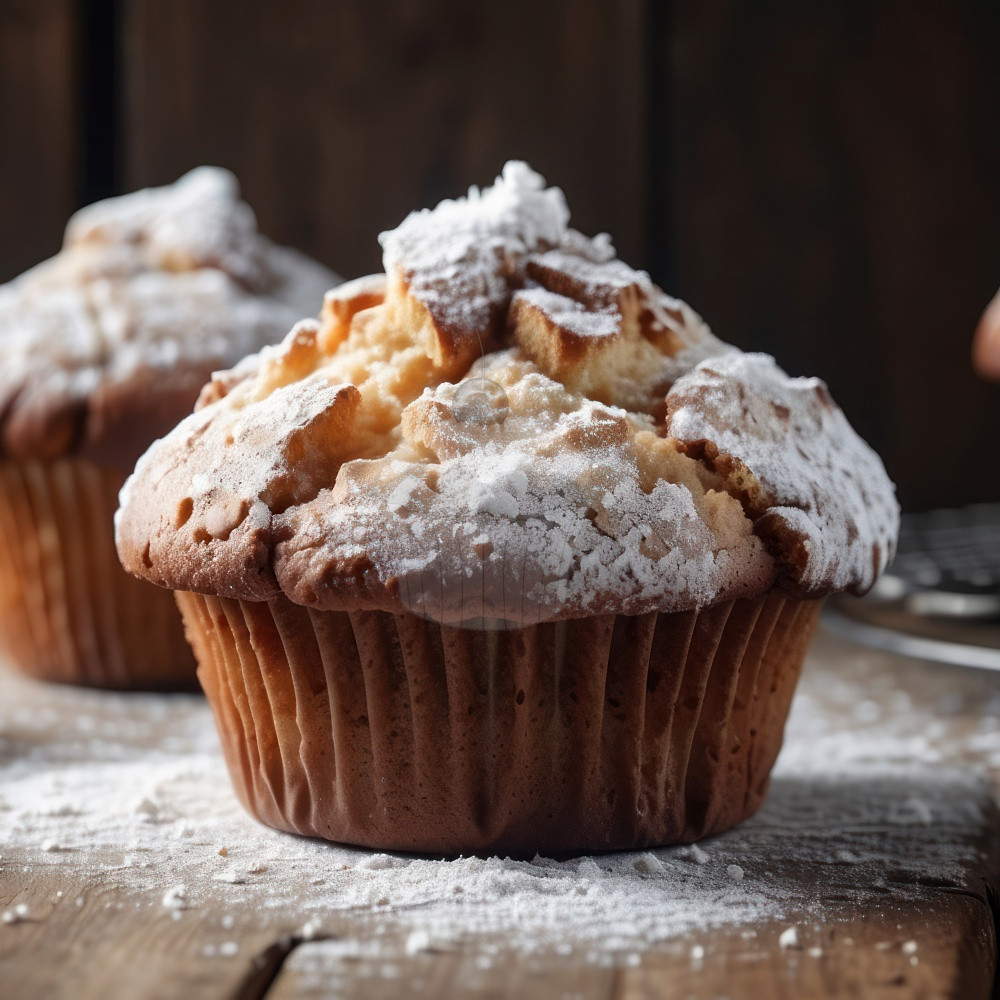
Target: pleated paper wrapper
{"points": [[68, 611], [393, 732]]}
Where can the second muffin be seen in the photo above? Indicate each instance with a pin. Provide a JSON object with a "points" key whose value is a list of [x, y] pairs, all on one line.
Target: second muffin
{"points": [[105, 347]]}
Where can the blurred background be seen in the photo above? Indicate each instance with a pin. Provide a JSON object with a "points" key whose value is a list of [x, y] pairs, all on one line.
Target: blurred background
{"points": [[820, 181]]}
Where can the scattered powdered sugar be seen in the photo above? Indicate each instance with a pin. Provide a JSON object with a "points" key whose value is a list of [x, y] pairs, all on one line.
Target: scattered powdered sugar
{"points": [[649, 864], [697, 855], [175, 898], [789, 938], [17, 915], [569, 314], [134, 791], [418, 941]]}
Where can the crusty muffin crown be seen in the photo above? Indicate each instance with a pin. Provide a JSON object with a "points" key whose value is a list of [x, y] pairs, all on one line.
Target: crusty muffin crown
{"points": [[509, 426], [106, 345]]}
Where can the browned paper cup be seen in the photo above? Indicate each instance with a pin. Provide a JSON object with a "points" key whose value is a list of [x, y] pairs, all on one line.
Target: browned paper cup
{"points": [[68, 611], [392, 732]]}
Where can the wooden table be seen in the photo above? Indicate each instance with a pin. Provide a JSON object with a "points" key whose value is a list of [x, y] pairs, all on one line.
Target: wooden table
{"points": [[873, 862]]}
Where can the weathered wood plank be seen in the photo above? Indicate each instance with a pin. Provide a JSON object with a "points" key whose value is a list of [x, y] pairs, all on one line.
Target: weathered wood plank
{"points": [[327, 970], [861, 862], [341, 118], [937, 946], [834, 203], [38, 151], [110, 945], [871, 954]]}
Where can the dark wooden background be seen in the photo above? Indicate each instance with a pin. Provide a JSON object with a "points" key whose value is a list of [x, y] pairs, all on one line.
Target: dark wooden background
{"points": [[821, 181]]}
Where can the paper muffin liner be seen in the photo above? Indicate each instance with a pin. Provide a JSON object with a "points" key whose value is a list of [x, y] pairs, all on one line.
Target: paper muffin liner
{"points": [[392, 732], [68, 611]]}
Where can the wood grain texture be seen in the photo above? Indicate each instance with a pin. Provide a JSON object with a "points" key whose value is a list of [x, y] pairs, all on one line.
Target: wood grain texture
{"points": [[834, 200], [108, 946], [913, 920], [850, 954], [38, 150], [870, 957], [341, 118], [327, 970]]}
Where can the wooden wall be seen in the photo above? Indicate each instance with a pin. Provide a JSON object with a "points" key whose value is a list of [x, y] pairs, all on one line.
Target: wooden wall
{"points": [[836, 186], [820, 181], [340, 118], [39, 134]]}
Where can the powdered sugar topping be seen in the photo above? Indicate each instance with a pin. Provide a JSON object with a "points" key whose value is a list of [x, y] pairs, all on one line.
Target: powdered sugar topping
{"points": [[459, 259], [566, 506], [538, 432]]}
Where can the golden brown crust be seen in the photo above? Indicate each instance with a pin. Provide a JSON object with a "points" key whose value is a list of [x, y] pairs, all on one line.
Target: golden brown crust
{"points": [[511, 427]]}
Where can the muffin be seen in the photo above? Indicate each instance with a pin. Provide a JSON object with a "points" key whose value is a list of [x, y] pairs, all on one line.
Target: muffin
{"points": [[507, 553], [105, 348]]}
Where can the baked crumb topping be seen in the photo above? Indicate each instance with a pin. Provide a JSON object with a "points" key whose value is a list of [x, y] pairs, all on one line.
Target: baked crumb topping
{"points": [[509, 426]]}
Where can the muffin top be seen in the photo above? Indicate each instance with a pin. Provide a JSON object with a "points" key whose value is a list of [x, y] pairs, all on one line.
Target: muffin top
{"points": [[509, 426], [106, 345]]}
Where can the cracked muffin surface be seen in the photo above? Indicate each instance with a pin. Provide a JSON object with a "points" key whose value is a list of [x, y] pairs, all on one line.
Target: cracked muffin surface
{"points": [[509, 426]]}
